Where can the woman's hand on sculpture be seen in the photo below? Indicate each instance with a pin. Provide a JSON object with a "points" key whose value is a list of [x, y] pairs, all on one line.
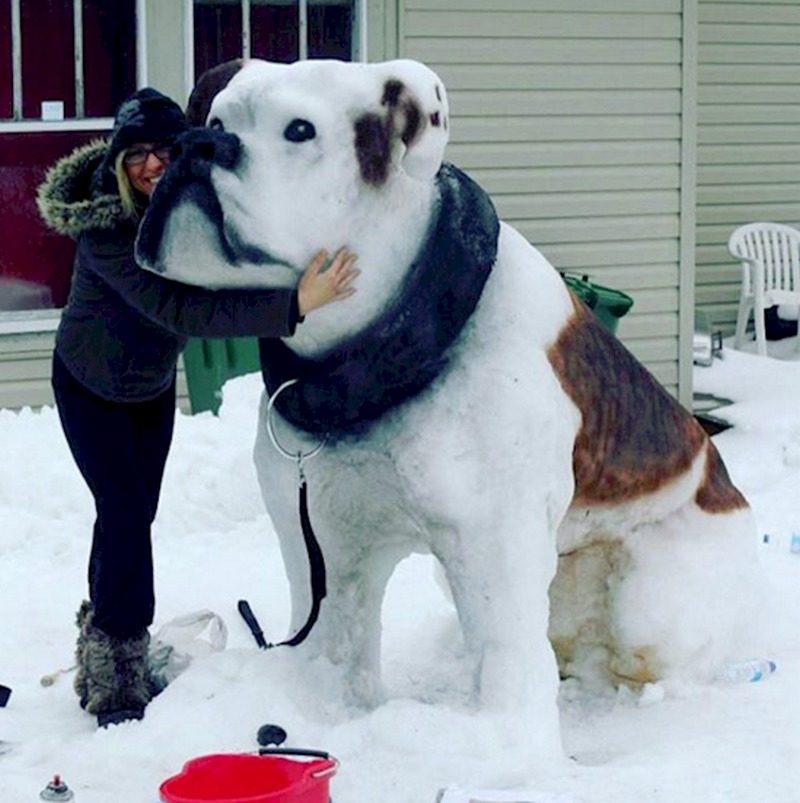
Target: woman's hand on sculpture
{"points": [[326, 280]]}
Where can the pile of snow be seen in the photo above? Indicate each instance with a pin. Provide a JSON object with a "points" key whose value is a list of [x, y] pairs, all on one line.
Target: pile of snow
{"points": [[215, 545]]}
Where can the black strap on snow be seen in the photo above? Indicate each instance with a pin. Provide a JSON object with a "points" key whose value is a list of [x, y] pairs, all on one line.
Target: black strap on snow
{"points": [[319, 588]]}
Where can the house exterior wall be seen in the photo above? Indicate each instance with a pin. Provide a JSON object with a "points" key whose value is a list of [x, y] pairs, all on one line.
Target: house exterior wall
{"points": [[577, 116], [164, 56], [748, 135], [26, 357], [27, 338]]}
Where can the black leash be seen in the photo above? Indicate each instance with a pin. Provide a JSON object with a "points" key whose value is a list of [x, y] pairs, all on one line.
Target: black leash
{"points": [[247, 614], [316, 560], [316, 564]]}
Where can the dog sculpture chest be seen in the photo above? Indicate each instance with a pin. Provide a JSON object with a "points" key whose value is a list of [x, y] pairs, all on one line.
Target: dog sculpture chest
{"points": [[510, 435]]}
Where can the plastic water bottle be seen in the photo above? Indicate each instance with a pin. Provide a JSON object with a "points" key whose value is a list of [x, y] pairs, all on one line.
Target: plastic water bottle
{"points": [[780, 542], [748, 671]]}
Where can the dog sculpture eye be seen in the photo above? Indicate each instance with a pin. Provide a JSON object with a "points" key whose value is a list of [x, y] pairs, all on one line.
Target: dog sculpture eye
{"points": [[299, 131]]}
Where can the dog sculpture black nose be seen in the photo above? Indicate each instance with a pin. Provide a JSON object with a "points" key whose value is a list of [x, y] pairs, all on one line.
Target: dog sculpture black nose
{"points": [[199, 148], [187, 178]]}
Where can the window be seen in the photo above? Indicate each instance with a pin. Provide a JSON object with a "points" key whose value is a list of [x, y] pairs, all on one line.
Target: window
{"points": [[65, 66], [64, 59], [277, 30]]}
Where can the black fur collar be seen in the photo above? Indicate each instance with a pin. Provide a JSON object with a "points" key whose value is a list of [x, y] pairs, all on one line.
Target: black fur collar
{"points": [[345, 391]]}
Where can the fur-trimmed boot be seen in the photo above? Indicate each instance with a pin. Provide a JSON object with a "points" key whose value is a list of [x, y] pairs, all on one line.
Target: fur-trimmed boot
{"points": [[113, 680]]}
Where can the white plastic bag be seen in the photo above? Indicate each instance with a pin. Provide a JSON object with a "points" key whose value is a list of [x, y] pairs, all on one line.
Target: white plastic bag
{"points": [[182, 639]]}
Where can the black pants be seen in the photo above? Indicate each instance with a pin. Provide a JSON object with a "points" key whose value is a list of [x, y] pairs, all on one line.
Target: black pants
{"points": [[121, 449]]}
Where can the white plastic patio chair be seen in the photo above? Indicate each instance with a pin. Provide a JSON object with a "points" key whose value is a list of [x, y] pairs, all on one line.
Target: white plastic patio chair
{"points": [[770, 257]]}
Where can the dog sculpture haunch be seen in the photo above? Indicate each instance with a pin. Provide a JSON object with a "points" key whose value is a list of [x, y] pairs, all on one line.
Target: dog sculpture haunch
{"points": [[474, 408]]}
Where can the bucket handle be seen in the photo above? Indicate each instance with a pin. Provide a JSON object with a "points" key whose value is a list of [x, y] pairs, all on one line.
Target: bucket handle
{"points": [[328, 770], [299, 751]]}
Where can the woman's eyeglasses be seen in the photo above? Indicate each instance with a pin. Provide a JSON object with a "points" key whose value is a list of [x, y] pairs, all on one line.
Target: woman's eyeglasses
{"points": [[137, 156]]}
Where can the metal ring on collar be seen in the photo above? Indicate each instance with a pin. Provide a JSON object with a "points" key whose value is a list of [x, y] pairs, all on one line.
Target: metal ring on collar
{"points": [[299, 456]]}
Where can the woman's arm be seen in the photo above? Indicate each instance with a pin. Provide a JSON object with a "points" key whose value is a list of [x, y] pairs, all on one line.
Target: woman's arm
{"points": [[200, 312]]}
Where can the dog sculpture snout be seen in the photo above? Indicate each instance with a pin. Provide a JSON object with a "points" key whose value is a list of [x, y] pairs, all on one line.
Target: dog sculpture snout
{"points": [[188, 178], [205, 147]]}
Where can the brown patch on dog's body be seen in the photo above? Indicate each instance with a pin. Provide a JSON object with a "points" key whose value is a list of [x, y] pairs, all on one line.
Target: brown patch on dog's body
{"points": [[636, 667], [717, 494], [582, 631], [635, 438]]}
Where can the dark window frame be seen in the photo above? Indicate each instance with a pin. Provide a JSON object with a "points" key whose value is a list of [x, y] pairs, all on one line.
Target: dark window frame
{"points": [[91, 63], [246, 36]]}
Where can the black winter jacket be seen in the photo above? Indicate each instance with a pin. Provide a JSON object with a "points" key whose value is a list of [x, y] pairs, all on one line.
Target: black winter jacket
{"points": [[123, 327]]}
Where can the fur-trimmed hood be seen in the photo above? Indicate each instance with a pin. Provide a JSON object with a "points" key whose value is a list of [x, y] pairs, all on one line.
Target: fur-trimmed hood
{"points": [[69, 200]]}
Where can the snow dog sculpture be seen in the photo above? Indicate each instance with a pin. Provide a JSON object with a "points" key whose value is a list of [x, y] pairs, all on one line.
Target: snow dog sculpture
{"points": [[473, 408]]}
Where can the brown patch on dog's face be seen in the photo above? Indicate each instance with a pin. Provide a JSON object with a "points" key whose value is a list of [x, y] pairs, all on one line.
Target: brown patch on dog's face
{"points": [[635, 438], [401, 118], [373, 148]]}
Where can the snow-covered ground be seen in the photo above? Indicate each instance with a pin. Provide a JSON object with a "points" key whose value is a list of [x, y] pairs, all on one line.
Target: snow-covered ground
{"points": [[214, 545]]}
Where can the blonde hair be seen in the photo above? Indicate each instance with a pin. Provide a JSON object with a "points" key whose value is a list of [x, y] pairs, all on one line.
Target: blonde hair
{"points": [[129, 207]]}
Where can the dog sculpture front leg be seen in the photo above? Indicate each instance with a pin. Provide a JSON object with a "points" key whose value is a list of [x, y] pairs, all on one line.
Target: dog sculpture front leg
{"points": [[503, 609], [362, 533]]}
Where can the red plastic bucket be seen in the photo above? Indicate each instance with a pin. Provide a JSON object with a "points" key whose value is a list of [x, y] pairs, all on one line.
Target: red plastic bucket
{"points": [[250, 778]]}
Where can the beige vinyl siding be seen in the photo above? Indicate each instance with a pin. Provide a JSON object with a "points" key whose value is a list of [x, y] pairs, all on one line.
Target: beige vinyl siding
{"points": [[25, 360], [25, 367], [569, 113], [748, 135]]}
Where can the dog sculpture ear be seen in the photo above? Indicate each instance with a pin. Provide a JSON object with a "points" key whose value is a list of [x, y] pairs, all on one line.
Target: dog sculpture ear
{"points": [[208, 86], [426, 139], [413, 113]]}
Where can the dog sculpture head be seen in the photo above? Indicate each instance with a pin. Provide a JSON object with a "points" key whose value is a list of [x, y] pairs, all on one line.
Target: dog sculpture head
{"points": [[295, 158]]}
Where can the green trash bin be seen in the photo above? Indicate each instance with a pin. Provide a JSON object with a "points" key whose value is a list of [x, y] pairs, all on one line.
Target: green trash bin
{"points": [[608, 305], [209, 363]]}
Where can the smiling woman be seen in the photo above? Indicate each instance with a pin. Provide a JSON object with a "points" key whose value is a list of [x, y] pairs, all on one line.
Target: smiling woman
{"points": [[142, 171], [134, 163], [113, 378]]}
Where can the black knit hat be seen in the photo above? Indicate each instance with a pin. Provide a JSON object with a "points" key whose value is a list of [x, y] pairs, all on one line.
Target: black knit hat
{"points": [[146, 116]]}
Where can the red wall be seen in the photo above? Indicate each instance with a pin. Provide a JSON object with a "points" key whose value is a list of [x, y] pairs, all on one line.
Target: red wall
{"points": [[109, 42], [48, 64], [28, 250]]}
